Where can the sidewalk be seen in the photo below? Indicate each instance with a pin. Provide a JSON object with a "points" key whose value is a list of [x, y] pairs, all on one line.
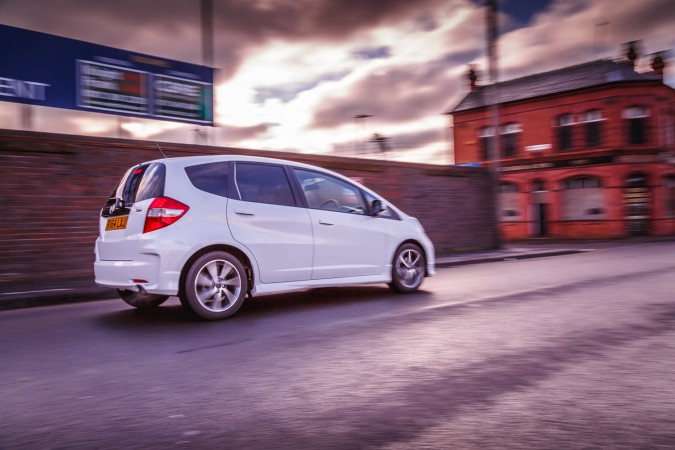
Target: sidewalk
{"points": [[510, 252], [25, 295]]}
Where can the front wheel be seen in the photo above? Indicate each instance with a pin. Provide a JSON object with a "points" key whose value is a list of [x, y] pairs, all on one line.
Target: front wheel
{"points": [[408, 269], [215, 286], [140, 300]]}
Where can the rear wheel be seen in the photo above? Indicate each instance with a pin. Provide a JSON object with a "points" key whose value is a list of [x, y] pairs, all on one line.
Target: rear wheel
{"points": [[140, 300], [407, 272], [215, 286]]}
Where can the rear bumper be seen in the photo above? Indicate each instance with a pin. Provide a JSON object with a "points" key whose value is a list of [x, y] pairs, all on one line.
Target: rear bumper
{"points": [[122, 275], [156, 270]]}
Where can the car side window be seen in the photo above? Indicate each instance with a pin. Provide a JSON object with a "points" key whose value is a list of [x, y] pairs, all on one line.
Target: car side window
{"points": [[210, 177], [329, 193], [263, 183]]}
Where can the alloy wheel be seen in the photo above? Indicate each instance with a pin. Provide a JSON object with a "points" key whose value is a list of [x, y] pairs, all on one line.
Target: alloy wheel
{"points": [[410, 268], [218, 285]]}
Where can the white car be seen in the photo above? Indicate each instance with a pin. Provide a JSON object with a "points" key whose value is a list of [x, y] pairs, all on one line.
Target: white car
{"points": [[212, 229]]}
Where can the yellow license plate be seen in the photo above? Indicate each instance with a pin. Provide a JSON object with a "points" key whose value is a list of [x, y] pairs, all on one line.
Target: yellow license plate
{"points": [[116, 223]]}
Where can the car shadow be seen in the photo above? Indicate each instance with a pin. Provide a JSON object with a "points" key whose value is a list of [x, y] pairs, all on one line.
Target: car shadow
{"points": [[320, 298], [172, 315]]}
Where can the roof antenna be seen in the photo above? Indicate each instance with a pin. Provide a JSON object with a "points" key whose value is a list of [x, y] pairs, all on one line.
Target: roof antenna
{"points": [[160, 150]]}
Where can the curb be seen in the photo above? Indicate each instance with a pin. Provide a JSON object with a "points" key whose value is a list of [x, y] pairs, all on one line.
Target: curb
{"points": [[448, 262], [53, 298]]}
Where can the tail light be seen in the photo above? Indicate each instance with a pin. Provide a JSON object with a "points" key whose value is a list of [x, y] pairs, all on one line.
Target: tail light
{"points": [[163, 212]]}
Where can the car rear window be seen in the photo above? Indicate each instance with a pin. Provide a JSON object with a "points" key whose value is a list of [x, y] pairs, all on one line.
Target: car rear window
{"points": [[139, 183], [151, 184], [210, 177]]}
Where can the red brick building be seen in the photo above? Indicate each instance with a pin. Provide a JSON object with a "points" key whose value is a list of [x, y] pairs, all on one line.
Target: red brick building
{"points": [[584, 151]]}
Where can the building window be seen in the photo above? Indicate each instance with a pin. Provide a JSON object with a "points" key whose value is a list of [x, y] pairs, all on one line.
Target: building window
{"points": [[593, 121], [565, 123], [509, 139], [669, 188], [538, 185], [670, 129], [487, 135], [508, 201], [636, 124], [582, 199]]}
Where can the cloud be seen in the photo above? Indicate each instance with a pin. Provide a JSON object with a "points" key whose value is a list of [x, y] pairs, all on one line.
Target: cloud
{"points": [[393, 94], [578, 38], [373, 53], [293, 73]]}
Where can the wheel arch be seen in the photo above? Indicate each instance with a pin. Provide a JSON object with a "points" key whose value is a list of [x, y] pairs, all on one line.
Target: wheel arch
{"points": [[234, 251]]}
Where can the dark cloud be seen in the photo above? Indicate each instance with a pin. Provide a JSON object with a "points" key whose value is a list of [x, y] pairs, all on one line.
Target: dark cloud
{"points": [[171, 28], [314, 19], [373, 53], [396, 95], [167, 28], [641, 22], [426, 22]]}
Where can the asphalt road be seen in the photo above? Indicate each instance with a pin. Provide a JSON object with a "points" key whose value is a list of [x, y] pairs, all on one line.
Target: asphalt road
{"points": [[573, 351]]}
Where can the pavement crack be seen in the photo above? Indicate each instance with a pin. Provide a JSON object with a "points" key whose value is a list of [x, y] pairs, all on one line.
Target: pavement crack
{"points": [[207, 347]]}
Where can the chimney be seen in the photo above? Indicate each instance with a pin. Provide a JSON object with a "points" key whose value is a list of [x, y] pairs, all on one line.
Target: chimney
{"points": [[658, 64], [632, 53], [473, 77]]}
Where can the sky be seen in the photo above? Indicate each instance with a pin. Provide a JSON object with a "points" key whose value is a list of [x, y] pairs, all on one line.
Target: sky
{"points": [[293, 74]]}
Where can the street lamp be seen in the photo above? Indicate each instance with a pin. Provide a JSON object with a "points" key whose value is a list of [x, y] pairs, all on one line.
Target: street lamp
{"points": [[357, 117]]}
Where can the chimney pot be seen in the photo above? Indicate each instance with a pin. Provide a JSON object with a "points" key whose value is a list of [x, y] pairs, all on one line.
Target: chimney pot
{"points": [[473, 76], [632, 53], [658, 64]]}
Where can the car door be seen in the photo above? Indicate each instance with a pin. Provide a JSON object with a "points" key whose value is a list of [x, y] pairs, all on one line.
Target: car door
{"points": [[266, 220], [347, 241]]}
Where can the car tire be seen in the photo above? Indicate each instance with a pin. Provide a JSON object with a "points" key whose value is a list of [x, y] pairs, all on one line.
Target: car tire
{"points": [[408, 269], [142, 300], [215, 286]]}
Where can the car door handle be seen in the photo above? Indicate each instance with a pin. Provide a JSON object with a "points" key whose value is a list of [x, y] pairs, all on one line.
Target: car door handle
{"points": [[325, 222], [243, 212]]}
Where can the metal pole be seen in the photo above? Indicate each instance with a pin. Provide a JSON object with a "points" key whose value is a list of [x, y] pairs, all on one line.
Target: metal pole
{"points": [[207, 45], [26, 113], [207, 33], [493, 99]]}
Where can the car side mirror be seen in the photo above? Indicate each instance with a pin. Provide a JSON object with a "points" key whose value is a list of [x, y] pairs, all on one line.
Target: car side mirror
{"points": [[376, 207]]}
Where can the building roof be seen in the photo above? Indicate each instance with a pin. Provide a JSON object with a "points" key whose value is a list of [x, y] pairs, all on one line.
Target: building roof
{"points": [[567, 79]]}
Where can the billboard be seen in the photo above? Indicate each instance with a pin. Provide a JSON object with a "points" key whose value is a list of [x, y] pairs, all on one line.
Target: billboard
{"points": [[47, 70]]}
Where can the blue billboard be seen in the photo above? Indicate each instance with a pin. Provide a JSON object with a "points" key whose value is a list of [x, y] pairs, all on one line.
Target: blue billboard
{"points": [[47, 70]]}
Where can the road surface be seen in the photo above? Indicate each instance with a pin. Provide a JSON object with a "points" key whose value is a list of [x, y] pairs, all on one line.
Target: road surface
{"points": [[573, 351]]}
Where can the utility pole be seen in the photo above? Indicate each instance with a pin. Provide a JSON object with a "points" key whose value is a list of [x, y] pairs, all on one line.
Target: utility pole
{"points": [[207, 32], [26, 114], [493, 99], [207, 49]]}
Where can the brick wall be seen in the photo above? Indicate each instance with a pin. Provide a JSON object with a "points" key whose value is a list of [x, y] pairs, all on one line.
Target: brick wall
{"points": [[53, 186], [538, 118]]}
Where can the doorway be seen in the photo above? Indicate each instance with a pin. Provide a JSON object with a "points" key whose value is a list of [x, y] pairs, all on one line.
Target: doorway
{"points": [[539, 208], [540, 223], [636, 200]]}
